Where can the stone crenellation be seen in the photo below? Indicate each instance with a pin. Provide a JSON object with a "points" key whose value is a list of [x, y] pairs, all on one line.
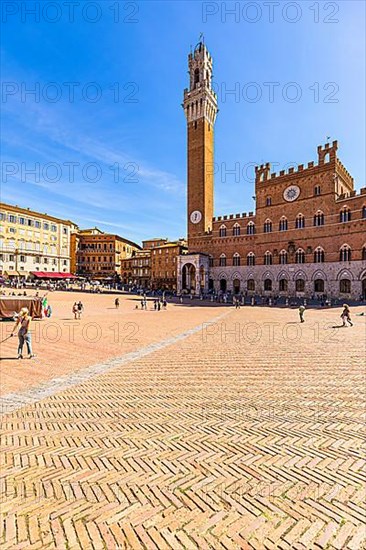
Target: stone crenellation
{"points": [[233, 217]]}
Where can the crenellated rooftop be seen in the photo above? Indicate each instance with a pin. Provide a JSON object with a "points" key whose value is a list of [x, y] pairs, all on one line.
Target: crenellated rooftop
{"points": [[327, 156], [229, 217], [351, 195]]}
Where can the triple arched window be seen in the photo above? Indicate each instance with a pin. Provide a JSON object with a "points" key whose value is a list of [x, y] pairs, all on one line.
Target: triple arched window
{"points": [[319, 255], [283, 257], [319, 218], [300, 221], [267, 226], [345, 215], [268, 258], [222, 260], [300, 256], [236, 259], [236, 230], [222, 231], [250, 228], [251, 259], [345, 253], [283, 226]]}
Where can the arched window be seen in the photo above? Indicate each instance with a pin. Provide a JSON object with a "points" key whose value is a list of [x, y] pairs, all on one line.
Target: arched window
{"points": [[283, 224], [223, 285], [364, 253], [222, 231], [345, 253], [236, 230], [283, 285], [250, 228], [317, 190], [345, 286], [300, 285], [236, 259], [364, 212], [268, 258], [300, 256], [300, 221], [345, 215], [251, 258], [283, 257], [222, 260], [268, 201], [319, 255], [236, 286], [267, 285], [319, 218], [251, 284], [318, 285], [196, 76], [211, 261], [267, 226]]}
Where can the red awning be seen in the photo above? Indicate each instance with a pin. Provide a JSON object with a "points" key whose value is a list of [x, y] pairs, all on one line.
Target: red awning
{"points": [[52, 275]]}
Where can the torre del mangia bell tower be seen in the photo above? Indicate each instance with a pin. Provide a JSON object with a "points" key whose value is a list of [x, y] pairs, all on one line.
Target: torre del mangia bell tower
{"points": [[200, 106]]}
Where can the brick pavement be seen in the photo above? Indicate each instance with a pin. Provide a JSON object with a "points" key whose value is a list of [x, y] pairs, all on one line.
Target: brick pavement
{"points": [[63, 345], [246, 434]]}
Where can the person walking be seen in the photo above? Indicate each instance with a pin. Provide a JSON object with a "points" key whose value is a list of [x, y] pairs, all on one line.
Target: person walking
{"points": [[24, 322], [301, 314], [346, 315], [80, 309], [75, 310], [116, 303]]}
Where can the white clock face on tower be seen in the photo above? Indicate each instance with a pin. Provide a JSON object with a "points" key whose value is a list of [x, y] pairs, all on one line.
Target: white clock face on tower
{"points": [[291, 193], [196, 216]]}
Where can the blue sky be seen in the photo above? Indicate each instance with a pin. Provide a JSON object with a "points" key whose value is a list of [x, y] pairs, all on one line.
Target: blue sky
{"points": [[118, 161]]}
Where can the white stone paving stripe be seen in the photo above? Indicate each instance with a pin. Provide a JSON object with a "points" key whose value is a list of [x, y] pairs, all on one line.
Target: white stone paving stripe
{"points": [[14, 401]]}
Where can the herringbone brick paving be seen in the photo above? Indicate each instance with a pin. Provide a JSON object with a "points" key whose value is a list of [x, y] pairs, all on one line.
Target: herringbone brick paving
{"points": [[250, 439], [63, 345]]}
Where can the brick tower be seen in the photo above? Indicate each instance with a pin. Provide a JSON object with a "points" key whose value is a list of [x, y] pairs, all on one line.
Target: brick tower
{"points": [[200, 106]]}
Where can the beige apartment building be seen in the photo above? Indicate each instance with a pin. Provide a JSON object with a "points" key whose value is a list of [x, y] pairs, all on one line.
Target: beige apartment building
{"points": [[99, 255], [33, 242]]}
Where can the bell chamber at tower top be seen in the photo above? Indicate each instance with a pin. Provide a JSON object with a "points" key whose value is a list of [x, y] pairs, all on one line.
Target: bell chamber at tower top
{"points": [[200, 100]]}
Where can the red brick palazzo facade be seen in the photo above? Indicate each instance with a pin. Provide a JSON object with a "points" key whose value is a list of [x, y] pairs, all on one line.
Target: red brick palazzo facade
{"points": [[307, 236]]}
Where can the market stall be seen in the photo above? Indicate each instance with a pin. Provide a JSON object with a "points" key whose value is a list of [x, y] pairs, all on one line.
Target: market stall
{"points": [[11, 305]]}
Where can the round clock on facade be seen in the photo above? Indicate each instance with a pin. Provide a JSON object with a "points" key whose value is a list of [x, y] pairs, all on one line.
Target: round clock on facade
{"points": [[196, 216], [291, 193]]}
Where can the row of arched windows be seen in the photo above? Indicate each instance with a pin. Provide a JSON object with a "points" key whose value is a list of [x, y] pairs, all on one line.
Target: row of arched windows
{"points": [[237, 230], [318, 220], [345, 255], [319, 285]]}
